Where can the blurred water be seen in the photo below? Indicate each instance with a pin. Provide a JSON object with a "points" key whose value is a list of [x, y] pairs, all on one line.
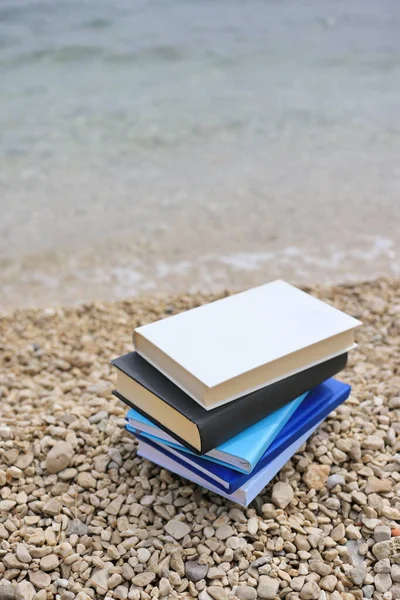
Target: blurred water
{"points": [[182, 145]]}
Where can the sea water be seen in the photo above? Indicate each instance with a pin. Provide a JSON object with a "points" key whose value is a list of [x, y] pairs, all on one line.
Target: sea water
{"points": [[183, 145]]}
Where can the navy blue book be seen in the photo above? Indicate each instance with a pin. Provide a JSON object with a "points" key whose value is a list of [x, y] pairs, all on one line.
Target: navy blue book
{"points": [[242, 452], [317, 405]]}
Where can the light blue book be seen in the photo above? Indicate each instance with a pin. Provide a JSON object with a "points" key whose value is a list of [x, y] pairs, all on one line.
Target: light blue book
{"points": [[315, 408], [241, 452]]}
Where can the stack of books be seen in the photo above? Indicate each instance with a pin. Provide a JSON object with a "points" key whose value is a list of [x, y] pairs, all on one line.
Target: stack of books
{"points": [[226, 393]]}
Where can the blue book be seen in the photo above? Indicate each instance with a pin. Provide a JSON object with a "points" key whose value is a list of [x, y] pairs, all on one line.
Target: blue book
{"points": [[249, 490], [241, 452], [317, 405]]}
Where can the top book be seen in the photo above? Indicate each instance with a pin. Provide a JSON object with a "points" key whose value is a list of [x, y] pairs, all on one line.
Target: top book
{"points": [[223, 350]]}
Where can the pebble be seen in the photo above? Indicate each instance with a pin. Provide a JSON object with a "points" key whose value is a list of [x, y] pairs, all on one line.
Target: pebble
{"points": [[52, 507], [245, 592], [301, 542], [164, 586], [379, 486], [49, 562], [114, 581], [65, 549], [328, 583], [316, 476], [218, 593], [215, 573], [39, 579], [282, 494], [382, 533], [224, 532], [86, 480], [115, 506], [99, 416], [310, 591], [59, 457], [252, 526], [267, 587], [100, 577], [381, 550], [338, 532], [322, 568], [177, 529], [176, 563], [195, 571], [143, 555], [391, 513], [395, 572], [382, 582], [396, 532], [76, 527], [7, 592], [368, 591], [373, 442], [353, 533], [382, 566], [25, 590], [143, 579], [297, 583], [357, 575], [103, 523], [7, 505], [394, 591], [147, 500], [23, 553], [259, 562]]}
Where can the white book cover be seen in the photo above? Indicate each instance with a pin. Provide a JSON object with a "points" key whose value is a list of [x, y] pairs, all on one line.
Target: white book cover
{"points": [[217, 343]]}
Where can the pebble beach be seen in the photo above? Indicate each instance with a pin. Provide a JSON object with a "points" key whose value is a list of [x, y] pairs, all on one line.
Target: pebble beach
{"points": [[82, 517]]}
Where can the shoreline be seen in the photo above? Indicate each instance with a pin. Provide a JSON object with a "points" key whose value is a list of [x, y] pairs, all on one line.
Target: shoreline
{"points": [[195, 297], [115, 514], [62, 280]]}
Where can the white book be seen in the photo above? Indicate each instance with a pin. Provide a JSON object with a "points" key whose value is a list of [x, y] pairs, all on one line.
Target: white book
{"points": [[243, 495], [223, 350]]}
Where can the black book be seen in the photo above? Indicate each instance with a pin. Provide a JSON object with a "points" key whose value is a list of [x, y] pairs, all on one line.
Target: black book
{"points": [[142, 387]]}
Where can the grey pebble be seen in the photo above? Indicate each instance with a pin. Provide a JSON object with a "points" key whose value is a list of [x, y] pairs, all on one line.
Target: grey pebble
{"points": [[259, 562], [383, 582], [382, 566], [382, 533], [99, 416], [75, 526], [7, 592], [395, 573], [334, 480], [195, 571], [357, 575], [353, 549], [368, 591]]}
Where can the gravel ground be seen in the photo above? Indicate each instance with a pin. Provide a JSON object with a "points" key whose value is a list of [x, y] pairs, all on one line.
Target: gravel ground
{"points": [[81, 517]]}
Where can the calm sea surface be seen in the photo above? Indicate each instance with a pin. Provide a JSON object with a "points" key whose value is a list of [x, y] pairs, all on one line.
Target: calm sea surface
{"points": [[182, 145]]}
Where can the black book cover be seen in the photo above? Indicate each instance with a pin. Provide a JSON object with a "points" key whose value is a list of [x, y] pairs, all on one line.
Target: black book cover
{"points": [[224, 422]]}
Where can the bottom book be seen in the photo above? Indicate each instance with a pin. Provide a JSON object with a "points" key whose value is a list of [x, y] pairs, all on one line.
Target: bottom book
{"points": [[243, 495], [321, 401]]}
